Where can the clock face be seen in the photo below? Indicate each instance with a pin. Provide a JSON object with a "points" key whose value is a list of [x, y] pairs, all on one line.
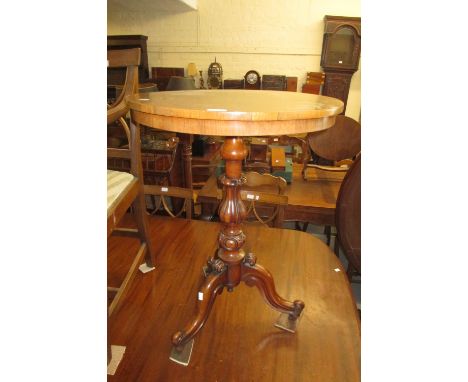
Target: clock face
{"points": [[252, 78]]}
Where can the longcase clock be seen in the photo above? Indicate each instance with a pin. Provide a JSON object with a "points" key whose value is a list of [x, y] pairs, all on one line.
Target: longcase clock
{"points": [[341, 51]]}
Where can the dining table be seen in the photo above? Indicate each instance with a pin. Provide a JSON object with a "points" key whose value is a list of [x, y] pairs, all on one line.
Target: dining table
{"points": [[238, 341], [233, 114]]}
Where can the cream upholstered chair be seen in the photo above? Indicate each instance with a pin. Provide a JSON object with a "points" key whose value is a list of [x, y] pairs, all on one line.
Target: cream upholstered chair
{"points": [[125, 190]]}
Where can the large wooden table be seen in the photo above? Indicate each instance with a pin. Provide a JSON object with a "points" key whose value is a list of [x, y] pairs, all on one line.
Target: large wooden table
{"points": [[312, 200], [238, 341], [233, 114]]}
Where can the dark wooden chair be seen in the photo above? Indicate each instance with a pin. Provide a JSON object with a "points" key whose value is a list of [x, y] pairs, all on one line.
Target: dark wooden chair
{"points": [[336, 147], [348, 218], [338, 144], [162, 204], [125, 190]]}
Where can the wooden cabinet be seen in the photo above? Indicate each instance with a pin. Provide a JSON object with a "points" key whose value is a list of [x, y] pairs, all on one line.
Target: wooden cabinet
{"points": [[341, 51]]}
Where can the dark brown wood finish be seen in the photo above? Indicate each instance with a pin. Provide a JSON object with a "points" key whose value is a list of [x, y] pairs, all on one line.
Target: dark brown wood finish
{"points": [[339, 142], [348, 215], [238, 341], [231, 265], [337, 85], [161, 75], [274, 82], [187, 140], [341, 50], [234, 84]]}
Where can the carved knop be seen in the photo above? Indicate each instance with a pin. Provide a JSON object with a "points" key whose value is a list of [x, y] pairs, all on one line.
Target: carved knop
{"points": [[231, 242], [216, 265], [250, 259]]}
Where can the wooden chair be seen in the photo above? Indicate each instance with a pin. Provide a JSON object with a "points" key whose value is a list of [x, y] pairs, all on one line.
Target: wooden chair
{"points": [[264, 194], [265, 182], [125, 190], [348, 218], [264, 208], [172, 192], [338, 146], [341, 142]]}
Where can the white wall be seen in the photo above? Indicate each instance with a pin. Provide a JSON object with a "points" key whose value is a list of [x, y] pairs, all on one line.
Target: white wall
{"points": [[281, 37]]}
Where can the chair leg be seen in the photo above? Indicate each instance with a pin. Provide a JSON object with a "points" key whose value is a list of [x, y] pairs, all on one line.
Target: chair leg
{"points": [[328, 233], [336, 247], [141, 218], [350, 272]]}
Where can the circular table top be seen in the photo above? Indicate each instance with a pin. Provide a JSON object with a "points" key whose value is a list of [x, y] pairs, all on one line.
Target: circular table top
{"points": [[235, 112]]}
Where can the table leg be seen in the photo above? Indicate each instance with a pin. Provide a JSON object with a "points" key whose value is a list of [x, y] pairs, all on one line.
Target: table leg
{"points": [[187, 140], [231, 265]]}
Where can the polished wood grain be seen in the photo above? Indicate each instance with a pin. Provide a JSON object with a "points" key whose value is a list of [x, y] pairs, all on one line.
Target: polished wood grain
{"points": [[231, 264], [235, 112], [341, 141], [312, 200], [348, 215], [238, 341]]}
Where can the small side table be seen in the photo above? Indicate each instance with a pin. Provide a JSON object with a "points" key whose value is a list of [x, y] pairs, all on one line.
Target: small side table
{"points": [[234, 114]]}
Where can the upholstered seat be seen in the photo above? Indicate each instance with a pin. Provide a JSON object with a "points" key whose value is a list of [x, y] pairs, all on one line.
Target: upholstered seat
{"points": [[118, 185]]}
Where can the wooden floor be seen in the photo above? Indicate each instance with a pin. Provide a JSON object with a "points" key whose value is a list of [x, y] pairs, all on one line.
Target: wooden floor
{"points": [[239, 339]]}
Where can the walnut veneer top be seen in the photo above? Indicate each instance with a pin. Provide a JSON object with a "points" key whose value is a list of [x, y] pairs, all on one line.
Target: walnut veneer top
{"points": [[235, 112]]}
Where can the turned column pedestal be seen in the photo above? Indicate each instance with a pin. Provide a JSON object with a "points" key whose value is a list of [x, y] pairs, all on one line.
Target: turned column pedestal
{"points": [[234, 113], [231, 265]]}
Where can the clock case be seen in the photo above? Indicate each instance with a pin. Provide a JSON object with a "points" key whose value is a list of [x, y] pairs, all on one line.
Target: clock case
{"points": [[215, 75], [341, 51], [255, 86]]}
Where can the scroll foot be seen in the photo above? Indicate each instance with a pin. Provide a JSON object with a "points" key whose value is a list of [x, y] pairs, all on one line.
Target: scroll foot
{"points": [[212, 286], [256, 275]]}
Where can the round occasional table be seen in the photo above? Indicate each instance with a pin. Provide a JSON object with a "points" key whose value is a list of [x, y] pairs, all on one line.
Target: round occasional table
{"points": [[233, 114]]}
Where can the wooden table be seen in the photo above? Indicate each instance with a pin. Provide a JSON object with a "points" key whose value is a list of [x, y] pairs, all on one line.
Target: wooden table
{"points": [[233, 114], [238, 341], [312, 200]]}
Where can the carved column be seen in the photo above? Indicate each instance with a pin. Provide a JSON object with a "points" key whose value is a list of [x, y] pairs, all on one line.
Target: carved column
{"points": [[231, 265], [232, 211]]}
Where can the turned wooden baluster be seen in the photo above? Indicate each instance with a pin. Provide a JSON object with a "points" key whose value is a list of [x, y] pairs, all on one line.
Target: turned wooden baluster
{"points": [[230, 266]]}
